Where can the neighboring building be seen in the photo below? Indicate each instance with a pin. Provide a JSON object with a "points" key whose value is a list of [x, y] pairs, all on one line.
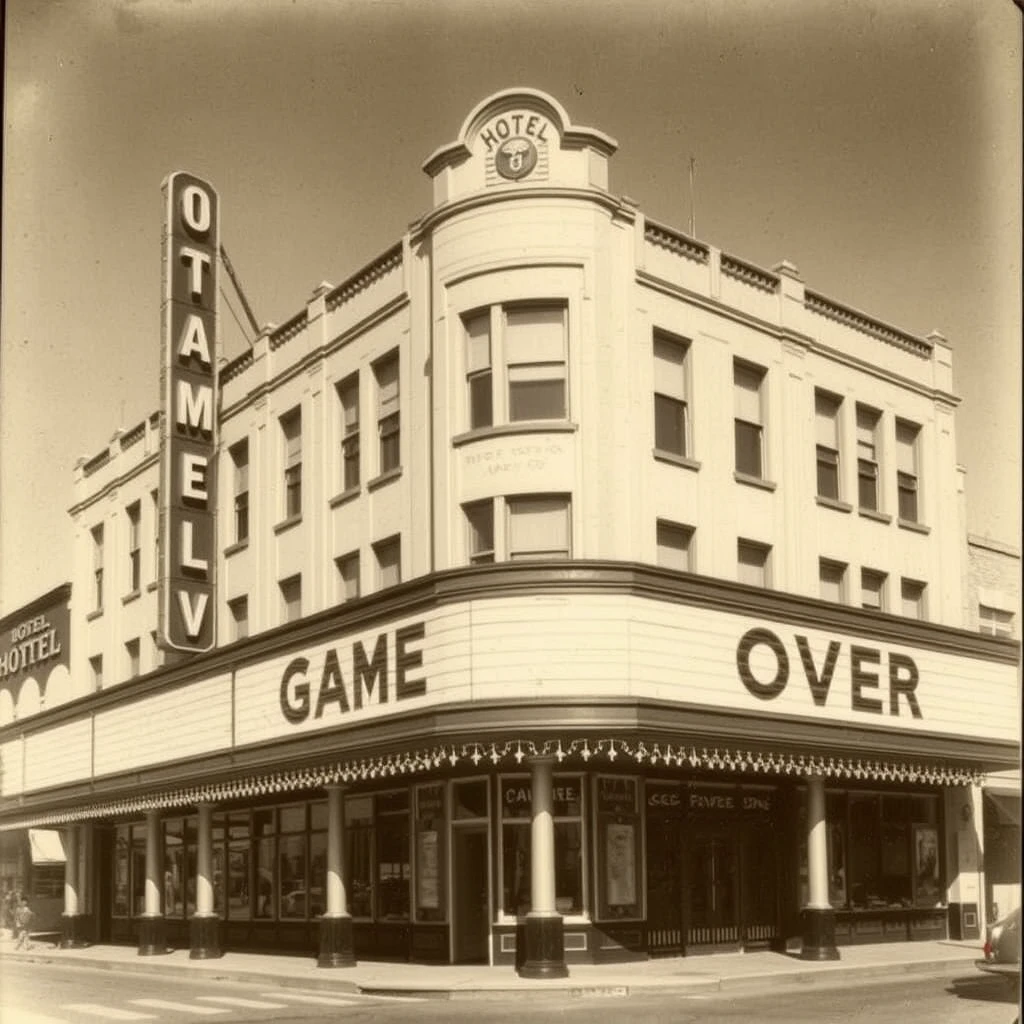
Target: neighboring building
{"points": [[582, 592]]}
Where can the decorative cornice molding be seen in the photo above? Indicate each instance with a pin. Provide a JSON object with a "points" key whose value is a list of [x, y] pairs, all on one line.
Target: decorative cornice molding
{"points": [[818, 303], [675, 241], [377, 268], [749, 273]]}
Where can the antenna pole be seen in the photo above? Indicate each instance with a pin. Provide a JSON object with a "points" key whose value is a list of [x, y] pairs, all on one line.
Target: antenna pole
{"points": [[693, 211]]}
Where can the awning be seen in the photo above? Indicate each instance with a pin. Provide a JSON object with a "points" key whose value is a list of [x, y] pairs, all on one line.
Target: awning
{"points": [[1007, 806], [46, 846]]}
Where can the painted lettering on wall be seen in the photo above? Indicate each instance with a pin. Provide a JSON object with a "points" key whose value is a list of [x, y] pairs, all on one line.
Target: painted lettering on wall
{"points": [[353, 678], [189, 421], [866, 668], [32, 642]]}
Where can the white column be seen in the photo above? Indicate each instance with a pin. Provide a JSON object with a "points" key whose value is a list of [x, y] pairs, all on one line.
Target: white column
{"points": [[204, 862], [817, 844], [542, 838], [154, 860], [337, 900], [71, 870]]}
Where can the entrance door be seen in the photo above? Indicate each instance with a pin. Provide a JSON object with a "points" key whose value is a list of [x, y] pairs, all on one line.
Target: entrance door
{"points": [[471, 905], [664, 887], [713, 883]]}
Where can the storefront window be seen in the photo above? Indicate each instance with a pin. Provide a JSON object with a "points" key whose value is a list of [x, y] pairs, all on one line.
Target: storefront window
{"points": [[174, 867], [835, 814], [138, 869], [430, 832], [122, 876], [618, 847], [359, 854], [393, 870], [239, 891]]}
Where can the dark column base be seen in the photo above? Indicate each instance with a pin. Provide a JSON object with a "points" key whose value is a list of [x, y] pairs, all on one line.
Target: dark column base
{"points": [[152, 936], [75, 931], [337, 947], [819, 934], [544, 952], [204, 938]]}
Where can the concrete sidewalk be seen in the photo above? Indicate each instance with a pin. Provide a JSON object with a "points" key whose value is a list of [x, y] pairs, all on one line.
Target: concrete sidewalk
{"points": [[731, 972]]}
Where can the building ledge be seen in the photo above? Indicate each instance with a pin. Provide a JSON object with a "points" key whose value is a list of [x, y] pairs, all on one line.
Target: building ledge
{"points": [[132, 595], [755, 481], [287, 524], [379, 481], [239, 545], [675, 460], [909, 524], [519, 427], [340, 499], [879, 517], [833, 503]]}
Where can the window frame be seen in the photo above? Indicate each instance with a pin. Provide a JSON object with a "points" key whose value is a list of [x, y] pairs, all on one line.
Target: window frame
{"points": [[292, 462], [666, 527], [133, 513], [239, 626], [676, 399], [746, 431], [754, 546], [348, 405], [868, 422], [920, 601], [828, 410], [536, 554], [842, 569], [342, 562], [882, 579], [291, 609], [239, 453], [97, 533], [485, 510], [389, 420], [908, 472], [385, 545], [133, 654]]}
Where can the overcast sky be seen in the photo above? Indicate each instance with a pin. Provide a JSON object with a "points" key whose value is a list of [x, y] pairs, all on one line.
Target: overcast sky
{"points": [[876, 145]]}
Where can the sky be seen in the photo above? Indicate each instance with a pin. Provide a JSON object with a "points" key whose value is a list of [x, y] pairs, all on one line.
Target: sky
{"points": [[876, 144]]}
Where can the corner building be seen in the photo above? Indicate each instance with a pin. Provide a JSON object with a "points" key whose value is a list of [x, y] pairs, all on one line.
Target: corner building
{"points": [[583, 593]]}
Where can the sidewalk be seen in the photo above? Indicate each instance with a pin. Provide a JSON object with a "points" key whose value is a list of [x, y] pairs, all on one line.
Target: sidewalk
{"points": [[731, 972]]}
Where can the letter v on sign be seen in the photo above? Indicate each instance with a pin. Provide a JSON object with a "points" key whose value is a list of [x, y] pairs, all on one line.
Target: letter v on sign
{"points": [[192, 616], [819, 685]]}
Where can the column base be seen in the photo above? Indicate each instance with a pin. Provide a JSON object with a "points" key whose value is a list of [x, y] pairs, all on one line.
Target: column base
{"points": [[819, 934], [543, 947], [75, 931], [337, 946], [204, 937], [152, 935]]}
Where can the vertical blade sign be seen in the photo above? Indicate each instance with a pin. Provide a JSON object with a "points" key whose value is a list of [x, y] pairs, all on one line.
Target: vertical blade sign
{"points": [[188, 424]]}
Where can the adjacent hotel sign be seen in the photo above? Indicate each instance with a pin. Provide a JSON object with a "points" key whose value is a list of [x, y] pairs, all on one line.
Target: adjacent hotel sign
{"points": [[188, 382], [35, 640]]}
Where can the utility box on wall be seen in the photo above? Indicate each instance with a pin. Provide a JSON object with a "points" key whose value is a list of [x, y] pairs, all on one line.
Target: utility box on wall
{"points": [[963, 921]]}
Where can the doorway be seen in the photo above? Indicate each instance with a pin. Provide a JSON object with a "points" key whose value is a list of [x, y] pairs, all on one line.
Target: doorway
{"points": [[713, 887], [471, 902], [664, 886]]}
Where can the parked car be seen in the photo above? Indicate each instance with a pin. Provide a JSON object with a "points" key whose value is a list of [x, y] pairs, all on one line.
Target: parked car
{"points": [[1002, 948]]}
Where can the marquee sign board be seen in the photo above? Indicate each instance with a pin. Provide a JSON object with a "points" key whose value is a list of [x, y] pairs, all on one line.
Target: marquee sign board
{"points": [[188, 383]]}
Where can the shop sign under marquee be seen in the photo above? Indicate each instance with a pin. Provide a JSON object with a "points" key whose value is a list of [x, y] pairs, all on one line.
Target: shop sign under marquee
{"points": [[188, 441]]}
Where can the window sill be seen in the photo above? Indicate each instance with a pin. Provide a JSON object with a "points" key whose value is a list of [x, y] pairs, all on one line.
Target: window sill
{"points": [[519, 427], [675, 460], [239, 545], [879, 517], [340, 499], [754, 481], [132, 595], [288, 523], [95, 614], [379, 481], [910, 524], [150, 587], [833, 503]]}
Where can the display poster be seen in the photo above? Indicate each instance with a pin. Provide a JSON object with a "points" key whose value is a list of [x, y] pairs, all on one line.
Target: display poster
{"points": [[927, 885], [428, 891], [620, 864]]}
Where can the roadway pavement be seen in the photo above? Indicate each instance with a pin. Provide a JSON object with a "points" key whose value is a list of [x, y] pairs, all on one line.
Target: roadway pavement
{"points": [[727, 972]]}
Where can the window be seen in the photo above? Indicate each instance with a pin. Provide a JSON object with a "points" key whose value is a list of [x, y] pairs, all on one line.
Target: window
{"points": [[377, 856], [96, 667], [480, 524], [348, 575], [753, 563], [867, 457], [478, 369], [240, 462], [535, 357], [239, 608], [995, 621], [831, 580], [291, 428], [826, 419], [131, 651], [156, 533], [389, 562], [906, 470], [674, 545], [539, 527], [388, 416], [134, 514], [291, 597], [670, 409], [872, 589], [97, 567], [749, 419], [912, 594], [348, 396]]}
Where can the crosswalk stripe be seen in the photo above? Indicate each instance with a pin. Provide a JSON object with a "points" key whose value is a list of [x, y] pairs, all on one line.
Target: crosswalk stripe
{"points": [[166, 1004], [245, 1004], [297, 997], [107, 1012]]}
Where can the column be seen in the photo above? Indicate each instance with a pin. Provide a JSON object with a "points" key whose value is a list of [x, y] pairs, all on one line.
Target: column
{"points": [[819, 919], [204, 926], [72, 924], [152, 927], [543, 947], [337, 947]]}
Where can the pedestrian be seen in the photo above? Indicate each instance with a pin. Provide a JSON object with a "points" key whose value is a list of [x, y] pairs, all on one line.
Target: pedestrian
{"points": [[22, 919]]}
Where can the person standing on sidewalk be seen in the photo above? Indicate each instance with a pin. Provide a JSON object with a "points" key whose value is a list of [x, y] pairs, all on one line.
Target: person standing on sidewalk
{"points": [[22, 919]]}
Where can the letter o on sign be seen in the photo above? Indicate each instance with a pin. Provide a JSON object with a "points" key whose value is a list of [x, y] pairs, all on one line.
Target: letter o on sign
{"points": [[195, 209], [749, 640]]}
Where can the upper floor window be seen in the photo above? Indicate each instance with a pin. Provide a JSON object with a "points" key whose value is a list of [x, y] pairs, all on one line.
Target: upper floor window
{"points": [[155, 495], [912, 594], [539, 527], [867, 457], [995, 621], [291, 597], [674, 542], [872, 589], [478, 369], [389, 561], [348, 396], [480, 524], [671, 432], [826, 419], [134, 514], [132, 654], [388, 416], [348, 575], [831, 580], [748, 386], [240, 463], [753, 563], [97, 567], [239, 609], [96, 668], [291, 429], [907, 470]]}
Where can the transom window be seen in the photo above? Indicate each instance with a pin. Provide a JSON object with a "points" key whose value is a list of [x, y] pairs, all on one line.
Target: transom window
{"points": [[671, 428]]}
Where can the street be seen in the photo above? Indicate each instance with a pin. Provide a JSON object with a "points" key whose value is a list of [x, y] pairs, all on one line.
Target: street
{"points": [[34, 993]]}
